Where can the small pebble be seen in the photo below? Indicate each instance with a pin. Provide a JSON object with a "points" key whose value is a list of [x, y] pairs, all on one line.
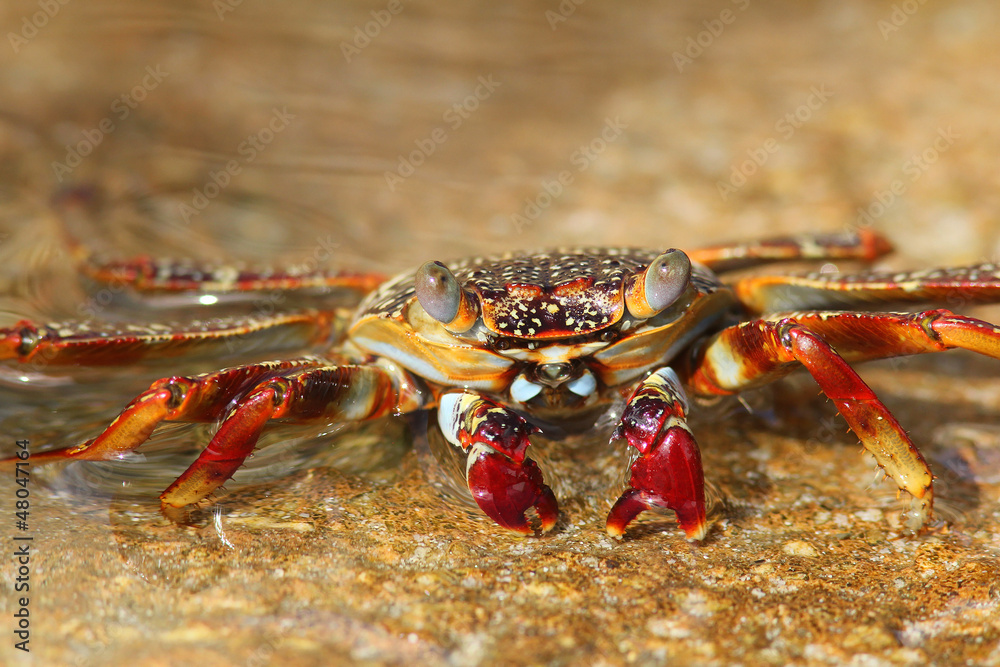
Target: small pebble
{"points": [[800, 548], [872, 515]]}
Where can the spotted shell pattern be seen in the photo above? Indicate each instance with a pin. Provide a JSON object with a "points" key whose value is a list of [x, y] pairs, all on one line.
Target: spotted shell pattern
{"points": [[560, 293]]}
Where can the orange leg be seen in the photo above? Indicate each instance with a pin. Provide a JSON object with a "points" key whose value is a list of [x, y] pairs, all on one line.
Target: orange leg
{"points": [[954, 287], [197, 398], [761, 351], [301, 389], [95, 344], [335, 393], [860, 336], [866, 246], [149, 275]]}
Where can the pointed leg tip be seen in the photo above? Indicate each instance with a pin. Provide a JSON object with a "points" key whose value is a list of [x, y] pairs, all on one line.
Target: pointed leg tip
{"points": [[521, 529], [690, 516], [626, 508], [178, 515], [547, 508], [692, 520], [614, 530], [917, 517], [697, 532]]}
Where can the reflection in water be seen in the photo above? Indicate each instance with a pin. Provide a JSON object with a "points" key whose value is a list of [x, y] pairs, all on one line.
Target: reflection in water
{"points": [[156, 549]]}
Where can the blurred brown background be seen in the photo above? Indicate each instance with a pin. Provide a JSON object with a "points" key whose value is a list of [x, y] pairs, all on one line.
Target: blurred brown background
{"points": [[687, 121], [673, 124]]}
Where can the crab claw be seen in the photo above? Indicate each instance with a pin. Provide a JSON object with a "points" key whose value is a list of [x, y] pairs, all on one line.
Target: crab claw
{"points": [[668, 474], [505, 489]]}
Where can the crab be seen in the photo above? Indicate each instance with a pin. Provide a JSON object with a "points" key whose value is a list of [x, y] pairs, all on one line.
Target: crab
{"points": [[500, 344]]}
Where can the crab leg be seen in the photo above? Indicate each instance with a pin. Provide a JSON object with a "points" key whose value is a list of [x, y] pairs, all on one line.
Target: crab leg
{"points": [[336, 393], [760, 351], [972, 284], [504, 483], [301, 389], [865, 245], [862, 335], [93, 344], [149, 275], [197, 398], [668, 471]]}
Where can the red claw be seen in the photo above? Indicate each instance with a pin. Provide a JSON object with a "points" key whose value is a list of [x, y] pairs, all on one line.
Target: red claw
{"points": [[505, 490], [668, 474]]}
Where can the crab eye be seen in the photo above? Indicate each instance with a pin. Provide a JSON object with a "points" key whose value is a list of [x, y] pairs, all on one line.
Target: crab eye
{"points": [[441, 296], [438, 291], [662, 283]]}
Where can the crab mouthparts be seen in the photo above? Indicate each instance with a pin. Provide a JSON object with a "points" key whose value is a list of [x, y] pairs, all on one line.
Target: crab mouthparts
{"points": [[553, 374], [559, 382]]}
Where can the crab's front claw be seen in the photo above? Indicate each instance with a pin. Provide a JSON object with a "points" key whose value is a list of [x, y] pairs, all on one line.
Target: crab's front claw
{"points": [[504, 482], [669, 475], [668, 471], [506, 489]]}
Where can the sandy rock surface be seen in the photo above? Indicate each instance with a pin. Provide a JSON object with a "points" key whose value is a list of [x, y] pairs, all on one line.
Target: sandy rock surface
{"points": [[247, 132]]}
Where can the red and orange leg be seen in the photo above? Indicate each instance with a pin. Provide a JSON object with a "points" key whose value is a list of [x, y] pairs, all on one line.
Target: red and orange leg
{"points": [[158, 276], [760, 351], [965, 285], [96, 344], [148, 275], [865, 245], [298, 390], [196, 398], [333, 393], [503, 481], [860, 336], [668, 471]]}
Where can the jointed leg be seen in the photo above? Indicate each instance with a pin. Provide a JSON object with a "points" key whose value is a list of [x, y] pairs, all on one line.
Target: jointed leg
{"points": [[300, 390], [95, 344], [760, 351], [336, 393], [971, 284], [196, 398], [149, 275], [860, 336], [865, 245], [504, 483]]}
